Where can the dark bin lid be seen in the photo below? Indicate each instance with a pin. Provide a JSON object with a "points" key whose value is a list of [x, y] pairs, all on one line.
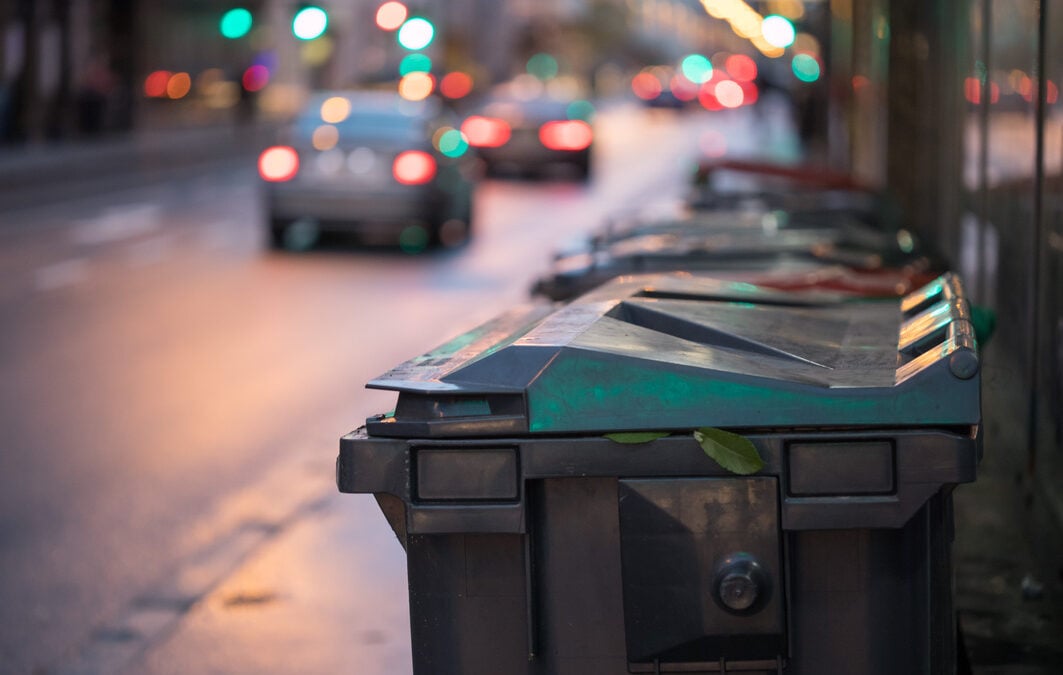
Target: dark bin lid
{"points": [[724, 241], [675, 352]]}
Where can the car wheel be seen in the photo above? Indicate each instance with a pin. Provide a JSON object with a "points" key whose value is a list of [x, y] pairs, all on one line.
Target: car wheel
{"points": [[278, 229], [583, 171]]}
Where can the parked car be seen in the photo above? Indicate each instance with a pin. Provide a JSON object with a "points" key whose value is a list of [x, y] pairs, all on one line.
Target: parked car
{"points": [[517, 135], [373, 164]]}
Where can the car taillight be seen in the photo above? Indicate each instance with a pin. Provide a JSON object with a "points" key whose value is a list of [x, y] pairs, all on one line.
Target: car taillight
{"points": [[566, 135], [414, 167], [485, 132], [278, 164]]}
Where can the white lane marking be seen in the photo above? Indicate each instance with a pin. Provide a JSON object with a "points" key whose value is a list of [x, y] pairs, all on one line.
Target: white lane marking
{"points": [[60, 274], [223, 234], [150, 251], [118, 223]]}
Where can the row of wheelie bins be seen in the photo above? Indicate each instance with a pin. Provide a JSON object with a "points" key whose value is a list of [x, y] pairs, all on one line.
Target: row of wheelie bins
{"points": [[702, 468]]}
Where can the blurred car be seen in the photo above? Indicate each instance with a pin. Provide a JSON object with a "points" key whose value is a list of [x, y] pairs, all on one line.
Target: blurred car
{"points": [[373, 164], [520, 135]]}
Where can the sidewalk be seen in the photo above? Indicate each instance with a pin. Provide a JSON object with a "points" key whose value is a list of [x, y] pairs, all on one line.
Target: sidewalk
{"points": [[36, 173], [328, 594]]}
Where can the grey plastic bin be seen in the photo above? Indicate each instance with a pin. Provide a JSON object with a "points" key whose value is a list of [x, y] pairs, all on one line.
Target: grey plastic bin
{"points": [[537, 545]]}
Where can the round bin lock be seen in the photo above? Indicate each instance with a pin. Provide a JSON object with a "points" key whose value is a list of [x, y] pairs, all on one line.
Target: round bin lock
{"points": [[741, 586]]}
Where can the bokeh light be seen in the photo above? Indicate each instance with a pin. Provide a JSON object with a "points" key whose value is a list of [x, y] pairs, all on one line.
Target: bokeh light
{"points": [[317, 52], [543, 66], [325, 137], [416, 33], [416, 86], [805, 67], [707, 97], [682, 88], [335, 109], [580, 110], [279, 163], [455, 85], [179, 85], [414, 167], [330, 162], [486, 132], [450, 142], [646, 86], [741, 68], [750, 92], [567, 135], [155, 83], [415, 63], [391, 15], [309, 23], [236, 23], [255, 77], [778, 31], [729, 93], [696, 68], [361, 161]]}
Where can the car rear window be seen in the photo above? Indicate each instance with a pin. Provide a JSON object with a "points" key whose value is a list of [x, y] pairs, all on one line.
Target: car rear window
{"points": [[371, 122]]}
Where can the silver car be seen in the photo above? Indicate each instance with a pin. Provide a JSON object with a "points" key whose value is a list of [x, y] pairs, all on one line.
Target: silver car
{"points": [[373, 164]]}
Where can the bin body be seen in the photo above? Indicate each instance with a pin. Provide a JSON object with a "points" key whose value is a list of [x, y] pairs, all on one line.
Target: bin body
{"points": [[537, 545]]}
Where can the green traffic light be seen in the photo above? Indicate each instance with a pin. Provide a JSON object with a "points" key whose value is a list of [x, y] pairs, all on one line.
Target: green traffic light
{"points": [[309, 23], [415, 63], [236, 23], [805, 67], [696, 68], [542, 66]]}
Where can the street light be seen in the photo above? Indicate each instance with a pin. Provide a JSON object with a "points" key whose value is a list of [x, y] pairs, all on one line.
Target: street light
{"points": [[778, 31], [391, 15], [416, 33], [309, 23]]}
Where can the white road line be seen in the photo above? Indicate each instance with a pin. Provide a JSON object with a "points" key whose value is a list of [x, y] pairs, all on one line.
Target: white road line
{"points": [[150, 251], [118, 223], [61, 274]]}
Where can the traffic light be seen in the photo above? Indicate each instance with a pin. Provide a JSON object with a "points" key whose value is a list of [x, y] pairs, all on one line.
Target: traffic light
{"points": [[236, 23], [309, 23]]}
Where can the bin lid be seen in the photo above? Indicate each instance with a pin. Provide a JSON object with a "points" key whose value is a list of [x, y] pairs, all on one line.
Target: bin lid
{"points": [[676, 352]]}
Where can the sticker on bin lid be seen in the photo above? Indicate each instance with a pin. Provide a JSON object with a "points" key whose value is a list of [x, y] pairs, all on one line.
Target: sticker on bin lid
{"points": [[673, 352]]}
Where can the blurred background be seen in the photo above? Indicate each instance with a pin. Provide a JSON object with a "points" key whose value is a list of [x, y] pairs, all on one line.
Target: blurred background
{"points": [[203, 262]]}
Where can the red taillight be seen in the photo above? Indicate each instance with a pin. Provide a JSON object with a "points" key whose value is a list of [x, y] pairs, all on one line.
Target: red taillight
{"points": [[414, 167], [566, 135], [278, 164], [485, 132]]}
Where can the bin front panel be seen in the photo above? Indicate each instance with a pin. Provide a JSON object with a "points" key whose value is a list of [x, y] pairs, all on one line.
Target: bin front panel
{"points": [[684, 543]]}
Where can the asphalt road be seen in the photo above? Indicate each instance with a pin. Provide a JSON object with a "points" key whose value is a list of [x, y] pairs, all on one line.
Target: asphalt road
{"points": [[161, 369]]}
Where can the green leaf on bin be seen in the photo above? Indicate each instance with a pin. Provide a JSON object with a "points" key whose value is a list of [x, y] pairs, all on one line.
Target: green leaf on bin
{"points": [[633, 437], [735, 453]]}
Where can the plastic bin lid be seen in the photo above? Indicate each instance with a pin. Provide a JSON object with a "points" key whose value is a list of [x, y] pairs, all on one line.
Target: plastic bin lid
{"points": [[675, 352]]}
